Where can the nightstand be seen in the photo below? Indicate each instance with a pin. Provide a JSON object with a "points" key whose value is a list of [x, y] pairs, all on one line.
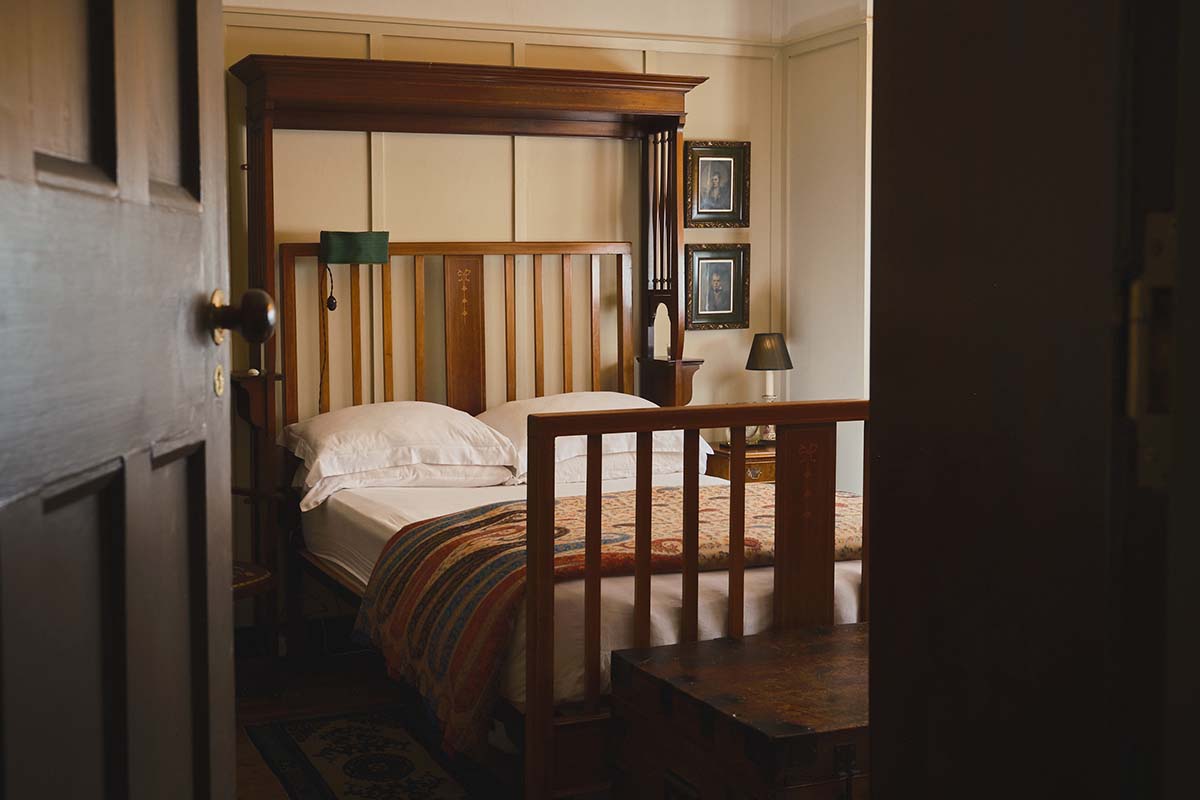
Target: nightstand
{"points": [[760, 462]]}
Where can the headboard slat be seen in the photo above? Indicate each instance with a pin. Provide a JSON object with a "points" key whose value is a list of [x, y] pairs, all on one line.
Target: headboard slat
{"points": [[539, 343], [567, 345], [594, 296], [419, 326], [385, 286], [356, 336], [510, 326], [625, 326]]}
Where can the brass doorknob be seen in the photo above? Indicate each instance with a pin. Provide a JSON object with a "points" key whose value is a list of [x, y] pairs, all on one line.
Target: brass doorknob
{"points": [[254, 318]]}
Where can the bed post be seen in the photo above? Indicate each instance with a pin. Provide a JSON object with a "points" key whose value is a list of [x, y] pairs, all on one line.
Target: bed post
{"points": [[260, 210], [539, 635], [666, 381]]}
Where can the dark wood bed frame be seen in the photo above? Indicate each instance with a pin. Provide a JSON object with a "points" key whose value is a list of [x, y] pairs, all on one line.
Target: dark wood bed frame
{"points": [[564, 747]]}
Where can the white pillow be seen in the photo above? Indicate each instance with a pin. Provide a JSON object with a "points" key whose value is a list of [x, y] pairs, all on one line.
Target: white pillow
{"points": [[461, 475], [617, 466], [512, 420], [382, 435]]}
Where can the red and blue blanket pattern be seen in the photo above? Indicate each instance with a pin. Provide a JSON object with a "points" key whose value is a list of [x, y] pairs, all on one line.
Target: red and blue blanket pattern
{"points": [[443, 596]]}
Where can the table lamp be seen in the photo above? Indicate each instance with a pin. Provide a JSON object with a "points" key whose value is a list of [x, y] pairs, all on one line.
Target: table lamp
{"points": [[768, 353]]}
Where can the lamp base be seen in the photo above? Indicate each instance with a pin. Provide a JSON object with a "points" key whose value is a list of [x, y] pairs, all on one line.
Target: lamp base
{"points": [[766, 433]]}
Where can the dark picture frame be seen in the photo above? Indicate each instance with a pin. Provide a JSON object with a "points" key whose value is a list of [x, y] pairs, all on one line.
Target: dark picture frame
{"points": [[718, 286], [717, 184]]}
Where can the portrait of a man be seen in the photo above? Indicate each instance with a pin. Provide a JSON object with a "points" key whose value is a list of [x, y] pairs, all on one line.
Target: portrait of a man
{"points": [[718, 286], [716, 184], [716, 278]]}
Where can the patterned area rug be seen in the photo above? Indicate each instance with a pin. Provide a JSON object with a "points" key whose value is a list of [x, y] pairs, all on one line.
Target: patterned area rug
{"points": [[364, 756]]}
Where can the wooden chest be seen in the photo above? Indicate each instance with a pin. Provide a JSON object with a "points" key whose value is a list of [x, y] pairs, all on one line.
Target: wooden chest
{"points": [[776, 715], [760, 462]]}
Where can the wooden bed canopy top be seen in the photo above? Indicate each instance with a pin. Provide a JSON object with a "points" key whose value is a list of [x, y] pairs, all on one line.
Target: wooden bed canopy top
{"points": [[293, 92], [423, 97]]}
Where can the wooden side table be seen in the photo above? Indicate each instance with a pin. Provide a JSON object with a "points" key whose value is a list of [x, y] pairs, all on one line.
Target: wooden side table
{"points": [[760, 462], [777, 715]]}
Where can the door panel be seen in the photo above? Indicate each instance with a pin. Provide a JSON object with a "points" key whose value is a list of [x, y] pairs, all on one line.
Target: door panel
{"points": [[115, 602]]}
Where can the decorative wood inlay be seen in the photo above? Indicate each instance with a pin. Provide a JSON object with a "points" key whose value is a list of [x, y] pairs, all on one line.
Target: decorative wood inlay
{"points": [[465, 375], [567, 344], [539, 342], [804, 518], [355, 336], [510, 327], [594, 296], [385, 288], [323, 327], [419, 327]]}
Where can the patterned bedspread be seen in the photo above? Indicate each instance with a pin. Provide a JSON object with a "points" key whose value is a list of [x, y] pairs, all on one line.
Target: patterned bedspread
{"points": [[443, 596]]}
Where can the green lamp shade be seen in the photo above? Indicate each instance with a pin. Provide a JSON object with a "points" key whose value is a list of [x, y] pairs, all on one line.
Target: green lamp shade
{"points": [[346, 247], [769, 351]]}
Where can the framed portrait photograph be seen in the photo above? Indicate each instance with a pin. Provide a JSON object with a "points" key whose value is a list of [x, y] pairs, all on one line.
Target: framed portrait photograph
{"points": [[718, 286], [717, 184]]}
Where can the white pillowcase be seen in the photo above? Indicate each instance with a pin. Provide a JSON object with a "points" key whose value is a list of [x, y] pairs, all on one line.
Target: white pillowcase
{"points": [[512, 420], [399, 434], [618, 466], [436, 475]]}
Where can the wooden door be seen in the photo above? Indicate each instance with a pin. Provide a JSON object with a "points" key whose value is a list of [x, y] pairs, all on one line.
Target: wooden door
{"points": [[999, 460], [115, 645]]}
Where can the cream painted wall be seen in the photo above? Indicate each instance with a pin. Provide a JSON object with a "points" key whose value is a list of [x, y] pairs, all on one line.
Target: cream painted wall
{"points": [[750, 20], [827, 255]]}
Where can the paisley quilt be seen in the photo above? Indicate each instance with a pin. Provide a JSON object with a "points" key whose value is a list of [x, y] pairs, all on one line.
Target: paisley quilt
{"points": [[444, 594]]}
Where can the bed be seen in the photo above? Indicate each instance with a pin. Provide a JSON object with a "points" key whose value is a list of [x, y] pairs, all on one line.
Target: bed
{"points": [[555, 659], [350, 529]]}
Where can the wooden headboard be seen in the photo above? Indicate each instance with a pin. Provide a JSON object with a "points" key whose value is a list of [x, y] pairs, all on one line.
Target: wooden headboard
{"points": [[464, 276]]}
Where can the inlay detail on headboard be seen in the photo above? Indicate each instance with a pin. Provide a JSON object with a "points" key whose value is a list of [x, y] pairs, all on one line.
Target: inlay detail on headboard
{"points": [[466, 376]]}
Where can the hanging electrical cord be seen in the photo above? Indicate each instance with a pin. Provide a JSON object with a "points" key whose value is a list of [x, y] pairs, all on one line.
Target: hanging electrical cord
{"points": [[331, 304]]}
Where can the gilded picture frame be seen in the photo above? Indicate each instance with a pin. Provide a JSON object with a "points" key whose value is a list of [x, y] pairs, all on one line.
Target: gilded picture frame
{"points": [[717, 278], [716, 184]]}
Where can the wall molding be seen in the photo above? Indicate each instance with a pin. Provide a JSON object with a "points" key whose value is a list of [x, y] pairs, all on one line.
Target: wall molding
{"points": [[497, 32]]}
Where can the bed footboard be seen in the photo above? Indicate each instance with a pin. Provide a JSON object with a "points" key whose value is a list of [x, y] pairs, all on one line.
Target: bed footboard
{"points": [[804, 536]]}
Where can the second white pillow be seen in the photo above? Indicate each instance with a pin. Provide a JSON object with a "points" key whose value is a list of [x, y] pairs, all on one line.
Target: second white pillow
{"points": [[512, 420]]}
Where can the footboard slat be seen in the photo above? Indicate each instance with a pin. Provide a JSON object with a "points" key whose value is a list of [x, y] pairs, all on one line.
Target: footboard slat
{"points": [[691, 535], [804, 542], [641, 533], [737, 531], [591, 572]]}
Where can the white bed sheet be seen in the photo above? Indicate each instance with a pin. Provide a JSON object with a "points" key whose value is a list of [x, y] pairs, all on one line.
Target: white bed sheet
{"points": [[351, 528]]}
